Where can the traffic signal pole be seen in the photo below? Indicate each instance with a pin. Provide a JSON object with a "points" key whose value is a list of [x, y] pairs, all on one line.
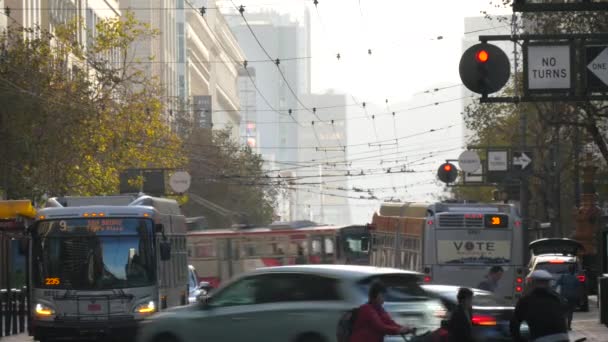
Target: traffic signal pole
{"points": [[524, 201]]}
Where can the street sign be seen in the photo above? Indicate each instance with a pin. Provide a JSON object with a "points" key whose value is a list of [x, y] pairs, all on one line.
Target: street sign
{"points": [[498, 161], [180, 182], [597, 68], [498, 165], [474, 177], [522, 160], [548, 67], [469, 161]]}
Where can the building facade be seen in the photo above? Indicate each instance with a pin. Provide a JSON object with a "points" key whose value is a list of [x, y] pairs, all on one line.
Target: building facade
{"points": [[323, 149], [214, 58]]}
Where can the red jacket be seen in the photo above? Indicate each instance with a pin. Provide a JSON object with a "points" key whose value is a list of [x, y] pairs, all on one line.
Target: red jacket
{"points": [[372, 324]]}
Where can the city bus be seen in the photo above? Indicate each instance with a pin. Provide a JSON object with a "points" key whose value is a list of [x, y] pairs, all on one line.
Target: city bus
{"points": [[99, 269], [452, 243], [15, 216], [219, 254]]}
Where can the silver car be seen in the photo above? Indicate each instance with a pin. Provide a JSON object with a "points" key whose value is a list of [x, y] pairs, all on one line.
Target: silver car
{"points": [[292, 304]]}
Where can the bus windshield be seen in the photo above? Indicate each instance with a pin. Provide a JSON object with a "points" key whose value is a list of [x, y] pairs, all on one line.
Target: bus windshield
{"points": [[356, 241], [93, 253]]}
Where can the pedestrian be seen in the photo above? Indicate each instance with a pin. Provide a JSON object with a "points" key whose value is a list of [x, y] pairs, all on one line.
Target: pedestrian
{"points": [[460, 328], [492, 278], [543, 310], [570, 289], [372, 323]]}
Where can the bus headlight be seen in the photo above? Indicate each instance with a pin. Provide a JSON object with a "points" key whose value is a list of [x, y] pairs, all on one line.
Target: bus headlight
{"points": [[43, 310], [146, 308]]}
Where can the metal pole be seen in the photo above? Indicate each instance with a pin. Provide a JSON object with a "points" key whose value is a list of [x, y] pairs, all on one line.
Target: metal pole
{"points": [[557, 185], [523, 190], [576, 176]]}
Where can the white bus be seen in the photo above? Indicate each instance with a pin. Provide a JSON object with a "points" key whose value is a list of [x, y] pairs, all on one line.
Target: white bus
{"points": [[452, 243], [100, 269]]}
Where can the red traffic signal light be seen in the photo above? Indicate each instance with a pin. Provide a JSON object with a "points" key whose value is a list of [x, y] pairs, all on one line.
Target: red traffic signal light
{"points": [[482, 56], [447, 173], [484, 68]]}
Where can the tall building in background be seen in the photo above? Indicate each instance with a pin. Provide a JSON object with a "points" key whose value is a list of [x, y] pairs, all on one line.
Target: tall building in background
{"points": [[247, 95], [3, 18], [161, 15], [268, 125], [212, 73], [322, 147], [282, 37]]}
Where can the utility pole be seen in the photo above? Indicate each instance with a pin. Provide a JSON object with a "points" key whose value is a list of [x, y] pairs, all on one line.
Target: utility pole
{"points": [[559, 229], [523, 190], [576, 176]]}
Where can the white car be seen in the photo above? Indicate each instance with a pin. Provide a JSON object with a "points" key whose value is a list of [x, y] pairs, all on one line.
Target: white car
{"points": [[293, 304]]}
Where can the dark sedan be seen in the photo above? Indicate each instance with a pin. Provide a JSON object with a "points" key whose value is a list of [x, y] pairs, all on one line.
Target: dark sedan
{"points": [[491, 315]]}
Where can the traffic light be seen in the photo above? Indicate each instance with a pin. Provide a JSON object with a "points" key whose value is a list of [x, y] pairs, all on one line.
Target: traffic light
{"points": [[484, 68], [447, 173]]}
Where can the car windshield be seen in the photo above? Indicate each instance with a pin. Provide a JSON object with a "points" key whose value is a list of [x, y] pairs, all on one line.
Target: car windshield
{"points": [[400, 287], [87, 254], [554, 268]]}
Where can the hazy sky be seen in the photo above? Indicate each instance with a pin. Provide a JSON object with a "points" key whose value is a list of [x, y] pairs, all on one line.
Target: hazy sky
{"points": [[406, 60]]}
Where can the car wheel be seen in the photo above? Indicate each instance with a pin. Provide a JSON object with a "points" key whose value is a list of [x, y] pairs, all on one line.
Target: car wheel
{"points": [[166, 338], [311, 337]]}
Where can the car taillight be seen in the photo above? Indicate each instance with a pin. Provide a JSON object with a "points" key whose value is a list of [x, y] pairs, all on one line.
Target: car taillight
{"points": [[483, 320], [427, 279], [518, 289], [581, 278], [519, 280]]}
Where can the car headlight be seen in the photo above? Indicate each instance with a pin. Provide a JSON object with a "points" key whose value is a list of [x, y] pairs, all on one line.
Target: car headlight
{"points": [[43, 310], [145, 308]]}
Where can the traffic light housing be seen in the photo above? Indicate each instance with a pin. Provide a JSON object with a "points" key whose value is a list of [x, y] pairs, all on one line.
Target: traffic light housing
{"points": [[447, 173], [484, 68]]}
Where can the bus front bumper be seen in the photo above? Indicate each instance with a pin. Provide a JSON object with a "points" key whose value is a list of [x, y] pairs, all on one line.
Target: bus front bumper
{"points": [[124, 328]]}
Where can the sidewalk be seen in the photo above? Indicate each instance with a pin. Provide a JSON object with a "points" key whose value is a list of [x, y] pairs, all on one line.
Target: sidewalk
{"points": [[16, 338], [587, 324]]}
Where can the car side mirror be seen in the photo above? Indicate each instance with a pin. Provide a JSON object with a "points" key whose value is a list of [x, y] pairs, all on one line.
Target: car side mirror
{"points": [[165, 250]]}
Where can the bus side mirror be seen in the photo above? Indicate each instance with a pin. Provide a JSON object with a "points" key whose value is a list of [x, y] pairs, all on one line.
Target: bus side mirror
{"points": [[165, 250], [158, 228]]}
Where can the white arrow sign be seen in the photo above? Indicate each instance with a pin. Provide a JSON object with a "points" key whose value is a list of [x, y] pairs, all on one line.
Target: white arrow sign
{"points": [[599, 66], [522, 161]]}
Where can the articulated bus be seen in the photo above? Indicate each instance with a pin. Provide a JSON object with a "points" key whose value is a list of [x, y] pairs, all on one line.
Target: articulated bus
{"points": [[451, 243], [219, 254], [98, 266]]}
